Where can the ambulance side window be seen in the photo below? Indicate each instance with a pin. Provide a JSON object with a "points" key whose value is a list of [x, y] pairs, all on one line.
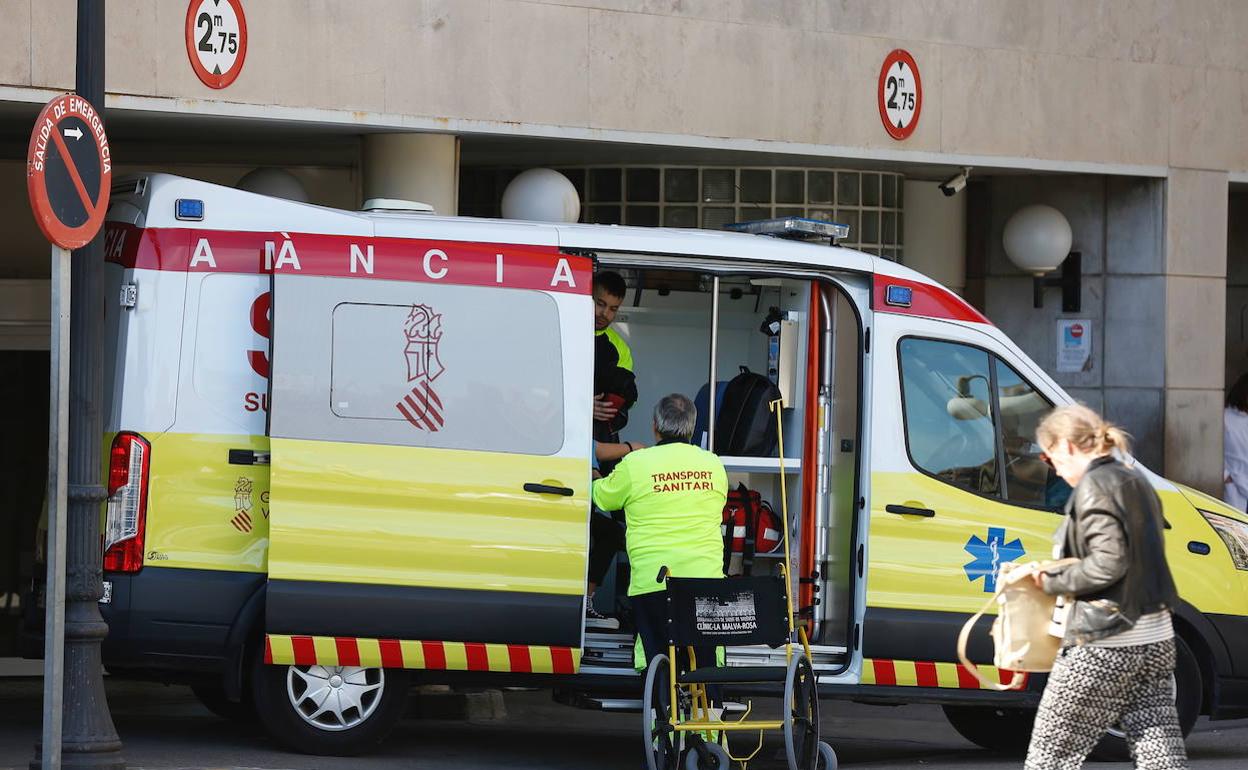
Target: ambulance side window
{"points": [[452, 367], [947, 398], [1028, 479]]}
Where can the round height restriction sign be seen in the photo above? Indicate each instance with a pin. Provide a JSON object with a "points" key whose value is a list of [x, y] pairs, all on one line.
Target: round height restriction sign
{"points": [[69, 168], [216, 40], [900, 94]]}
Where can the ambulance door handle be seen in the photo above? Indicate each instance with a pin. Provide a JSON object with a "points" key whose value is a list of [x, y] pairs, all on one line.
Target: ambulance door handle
{"points": [[906, 510], [547, 489], [248, 457]]}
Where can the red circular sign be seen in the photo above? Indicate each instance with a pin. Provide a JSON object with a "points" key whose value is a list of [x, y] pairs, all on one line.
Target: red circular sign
{"points": [[900, 94], [1076, 331], [216, 40], [69, 170]]}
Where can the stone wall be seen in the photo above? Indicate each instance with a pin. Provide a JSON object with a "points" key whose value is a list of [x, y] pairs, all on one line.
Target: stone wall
{"points": [[1117, 228], [1146, 82]]}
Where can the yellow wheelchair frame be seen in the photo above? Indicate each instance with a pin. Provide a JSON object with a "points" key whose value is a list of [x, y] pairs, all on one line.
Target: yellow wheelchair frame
{"points": [[703, 726]]}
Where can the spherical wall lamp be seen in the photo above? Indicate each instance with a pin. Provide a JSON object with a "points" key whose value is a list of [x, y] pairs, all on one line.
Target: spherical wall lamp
{"points": [[541, 195], [1037, 239], [274, 182]]}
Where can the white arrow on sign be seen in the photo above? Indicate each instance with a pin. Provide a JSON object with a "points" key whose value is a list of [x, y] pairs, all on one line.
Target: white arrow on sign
{"points": [[75, 132]]}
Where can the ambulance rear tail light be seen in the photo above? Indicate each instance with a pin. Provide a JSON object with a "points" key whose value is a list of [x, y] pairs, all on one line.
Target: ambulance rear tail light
{"points": [[129, 460]]}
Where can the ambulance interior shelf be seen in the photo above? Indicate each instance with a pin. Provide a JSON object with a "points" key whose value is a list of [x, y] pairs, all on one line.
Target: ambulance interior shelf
{"points": [[675, 323]]}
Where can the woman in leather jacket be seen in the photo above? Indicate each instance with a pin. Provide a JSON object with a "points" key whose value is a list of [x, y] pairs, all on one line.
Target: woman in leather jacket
{"points": [[1117, 659]]}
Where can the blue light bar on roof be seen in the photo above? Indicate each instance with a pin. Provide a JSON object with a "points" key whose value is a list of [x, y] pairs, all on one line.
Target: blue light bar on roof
{"points": [[791, 227]]}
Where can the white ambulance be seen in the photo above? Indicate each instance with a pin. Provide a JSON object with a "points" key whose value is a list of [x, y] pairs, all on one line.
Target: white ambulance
{"points": [[350, 451]]}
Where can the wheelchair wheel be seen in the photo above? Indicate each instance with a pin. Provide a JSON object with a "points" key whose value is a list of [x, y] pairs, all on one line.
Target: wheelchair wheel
{"points": [[716, 758], [801, 727], [827, 757], [656, 712]]}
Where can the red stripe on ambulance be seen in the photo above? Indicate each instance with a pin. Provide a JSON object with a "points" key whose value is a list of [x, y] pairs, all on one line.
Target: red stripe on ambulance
{"points": [[966, 680], [304, 650], [348, 652], [507, 265], [927, 299], [435, 655], [478, 658], [280, 649], [926, 673], [884, 672], [519, 658], [391, 653]]}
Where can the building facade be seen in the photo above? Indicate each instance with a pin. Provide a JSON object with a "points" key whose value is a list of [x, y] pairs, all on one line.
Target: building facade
{"points": [[1129, 116]]}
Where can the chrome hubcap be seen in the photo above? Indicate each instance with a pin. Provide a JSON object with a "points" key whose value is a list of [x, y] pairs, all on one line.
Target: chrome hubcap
{"points": [[334, 698]]}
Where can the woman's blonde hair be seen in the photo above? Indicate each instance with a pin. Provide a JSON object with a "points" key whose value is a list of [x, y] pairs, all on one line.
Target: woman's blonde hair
{"points": [[1084, 428]]}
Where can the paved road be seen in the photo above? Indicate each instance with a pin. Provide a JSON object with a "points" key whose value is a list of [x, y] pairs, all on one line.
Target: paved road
{"points": [[165, 728]]}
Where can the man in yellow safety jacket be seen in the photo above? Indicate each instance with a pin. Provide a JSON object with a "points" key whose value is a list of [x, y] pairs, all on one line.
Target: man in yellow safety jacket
{"points": [[673, 498]]}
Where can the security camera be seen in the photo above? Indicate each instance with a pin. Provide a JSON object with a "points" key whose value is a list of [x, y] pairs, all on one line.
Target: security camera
{"points": [[955, 184]]}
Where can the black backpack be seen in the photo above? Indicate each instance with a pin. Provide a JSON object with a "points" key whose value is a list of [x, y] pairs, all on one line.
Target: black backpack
{"points": [[744, 425]]}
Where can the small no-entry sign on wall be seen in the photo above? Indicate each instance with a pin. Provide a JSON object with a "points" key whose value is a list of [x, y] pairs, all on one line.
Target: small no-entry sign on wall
{"points": [[900, 94], [216, 40]]}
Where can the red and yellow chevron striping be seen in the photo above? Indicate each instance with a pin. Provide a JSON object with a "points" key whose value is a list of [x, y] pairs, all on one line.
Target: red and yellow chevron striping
{"points": [[402, 653], [910, 673]]}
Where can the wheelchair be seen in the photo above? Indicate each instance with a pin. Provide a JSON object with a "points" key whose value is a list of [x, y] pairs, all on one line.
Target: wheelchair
{"points": [[680, 727]]}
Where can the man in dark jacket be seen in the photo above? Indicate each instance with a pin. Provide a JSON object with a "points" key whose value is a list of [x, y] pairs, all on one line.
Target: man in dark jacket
{"points": [[615, 391], [615, 385]]}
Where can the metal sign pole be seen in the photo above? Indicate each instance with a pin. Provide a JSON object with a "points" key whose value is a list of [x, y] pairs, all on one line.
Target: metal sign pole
{"points": [[58, 458]]}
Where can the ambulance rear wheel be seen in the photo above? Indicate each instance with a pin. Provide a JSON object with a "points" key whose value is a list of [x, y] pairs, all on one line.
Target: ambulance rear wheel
{"points": [[1004, 730], [329, 710]]}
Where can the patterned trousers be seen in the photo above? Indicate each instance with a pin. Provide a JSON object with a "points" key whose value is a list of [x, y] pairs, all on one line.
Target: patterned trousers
{"points": [[1091, 689]]}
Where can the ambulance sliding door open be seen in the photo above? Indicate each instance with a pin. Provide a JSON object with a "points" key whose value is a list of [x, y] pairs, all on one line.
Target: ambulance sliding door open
{"points": [[687, 329], [430, 464]]}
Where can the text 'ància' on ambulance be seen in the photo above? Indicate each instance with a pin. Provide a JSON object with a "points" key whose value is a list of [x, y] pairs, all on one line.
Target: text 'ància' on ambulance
{"points": [[351, 450]]}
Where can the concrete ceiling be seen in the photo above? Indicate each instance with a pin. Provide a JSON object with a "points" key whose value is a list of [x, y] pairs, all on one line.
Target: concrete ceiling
{"points": [[154, 137]]}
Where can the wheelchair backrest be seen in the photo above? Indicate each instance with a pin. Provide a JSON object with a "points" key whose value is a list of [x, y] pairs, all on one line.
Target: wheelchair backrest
{"points": [[727, 611]]}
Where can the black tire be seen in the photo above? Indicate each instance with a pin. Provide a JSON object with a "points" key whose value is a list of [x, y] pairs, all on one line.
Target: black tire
{"points": [[801, 725], [658, 740], [272, 688], [1003, 730], [213, 698], [1189, 693], [717, 758]]}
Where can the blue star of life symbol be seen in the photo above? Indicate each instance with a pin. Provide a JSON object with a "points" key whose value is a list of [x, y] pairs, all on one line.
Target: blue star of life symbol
{"points": [[989, 555]]}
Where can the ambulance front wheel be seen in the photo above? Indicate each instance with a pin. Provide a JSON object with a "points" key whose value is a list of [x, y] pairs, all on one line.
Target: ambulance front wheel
{"points": [[328, 710], [1004, 730], [1188, 694]]}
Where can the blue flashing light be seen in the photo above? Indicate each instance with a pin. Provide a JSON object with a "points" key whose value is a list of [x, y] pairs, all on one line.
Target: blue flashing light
{"points": [[899, 296], [189, 209]]}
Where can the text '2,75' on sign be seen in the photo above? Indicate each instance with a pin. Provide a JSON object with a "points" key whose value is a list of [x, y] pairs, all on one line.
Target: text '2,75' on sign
{"points": [[69, 170]]}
